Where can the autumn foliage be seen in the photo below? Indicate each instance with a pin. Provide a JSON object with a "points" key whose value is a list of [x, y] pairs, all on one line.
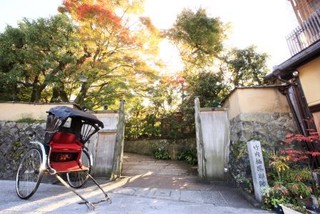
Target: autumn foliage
{"points": [[118, 48], [301, 148], [99, 14]]}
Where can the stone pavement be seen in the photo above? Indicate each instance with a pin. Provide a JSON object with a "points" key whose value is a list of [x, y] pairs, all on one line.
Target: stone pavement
{"points": [[147, 186]]}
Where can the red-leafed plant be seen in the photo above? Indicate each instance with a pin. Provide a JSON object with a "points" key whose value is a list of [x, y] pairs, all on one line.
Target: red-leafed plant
{"points": [[292, 167], [300, 148]]}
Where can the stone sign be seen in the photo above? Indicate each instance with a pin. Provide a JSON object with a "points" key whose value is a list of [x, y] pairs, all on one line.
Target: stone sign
{"points": [[257, 168]]}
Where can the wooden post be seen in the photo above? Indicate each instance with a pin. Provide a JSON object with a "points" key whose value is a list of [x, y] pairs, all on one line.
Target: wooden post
{"points": [[200, 148], [118, 149]]}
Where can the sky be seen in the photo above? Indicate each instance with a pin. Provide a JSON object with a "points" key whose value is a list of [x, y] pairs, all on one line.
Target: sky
{"points": [[263, 23]]}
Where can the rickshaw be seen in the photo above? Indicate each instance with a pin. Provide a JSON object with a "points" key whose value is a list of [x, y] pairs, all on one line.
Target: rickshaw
{"points": [[64, 153]]}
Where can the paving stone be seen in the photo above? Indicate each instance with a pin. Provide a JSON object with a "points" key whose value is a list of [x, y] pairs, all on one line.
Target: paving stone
{"points": [[215, 198], [125, 191], [177, 181], [194, 196]]}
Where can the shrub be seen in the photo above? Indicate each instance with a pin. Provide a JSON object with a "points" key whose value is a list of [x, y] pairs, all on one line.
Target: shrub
{"points": [[275, 195], [152, 126], [293, 182], [190, 156], [29, 120], [161, 154]]}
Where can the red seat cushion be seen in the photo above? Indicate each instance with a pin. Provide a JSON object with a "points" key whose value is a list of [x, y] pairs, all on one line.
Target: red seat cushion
{"points": [[65, 141], [65, 152]]}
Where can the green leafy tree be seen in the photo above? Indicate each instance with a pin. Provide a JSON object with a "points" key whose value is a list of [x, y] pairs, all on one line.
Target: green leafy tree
{"points": [[210, 73], [34, 58], [11, 39], [157, 117], [209, 86], [198, 37], [246, 67]]}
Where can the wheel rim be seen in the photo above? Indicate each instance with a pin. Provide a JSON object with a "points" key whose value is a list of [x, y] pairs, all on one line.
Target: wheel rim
{"points": [[29, 174]]}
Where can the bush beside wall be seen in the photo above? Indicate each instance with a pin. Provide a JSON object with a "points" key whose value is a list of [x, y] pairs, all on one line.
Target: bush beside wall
{"points": [[148, 147]]}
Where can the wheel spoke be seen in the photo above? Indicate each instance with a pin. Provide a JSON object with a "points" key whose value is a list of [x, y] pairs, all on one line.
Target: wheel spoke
{"points": [[29, 174], [78, 179]]}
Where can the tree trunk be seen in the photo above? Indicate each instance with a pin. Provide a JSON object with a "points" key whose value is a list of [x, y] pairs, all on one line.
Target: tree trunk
{"points": [[82, 94], [36, 92], [55, 95]]}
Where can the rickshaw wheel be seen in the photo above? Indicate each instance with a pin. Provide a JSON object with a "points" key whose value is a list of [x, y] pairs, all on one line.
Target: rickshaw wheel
{"points": [[29, 174], [78, 179]]}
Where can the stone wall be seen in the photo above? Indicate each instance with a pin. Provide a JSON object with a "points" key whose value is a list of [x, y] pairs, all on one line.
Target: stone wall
{"points": [[14, 141], [269, 128]]}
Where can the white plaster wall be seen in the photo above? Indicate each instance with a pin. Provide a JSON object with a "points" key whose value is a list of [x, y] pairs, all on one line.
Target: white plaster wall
{"points": [[17, 111], [256, 100]]}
